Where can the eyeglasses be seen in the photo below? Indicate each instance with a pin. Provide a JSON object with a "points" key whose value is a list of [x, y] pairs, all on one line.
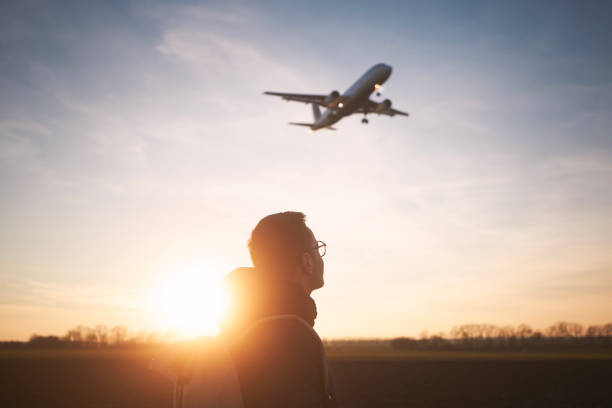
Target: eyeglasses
{"points": [[321, 247]]}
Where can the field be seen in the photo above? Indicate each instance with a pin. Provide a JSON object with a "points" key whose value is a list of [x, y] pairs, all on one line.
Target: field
{"points": [[365, 378]]}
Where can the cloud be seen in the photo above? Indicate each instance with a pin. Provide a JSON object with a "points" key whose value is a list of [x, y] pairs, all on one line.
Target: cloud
{"points": [[68, 296], [232, 69], [15, 142], [132, 130]]}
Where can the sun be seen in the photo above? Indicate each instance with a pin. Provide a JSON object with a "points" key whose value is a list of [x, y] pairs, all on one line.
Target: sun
{"points": [[190, 299]]}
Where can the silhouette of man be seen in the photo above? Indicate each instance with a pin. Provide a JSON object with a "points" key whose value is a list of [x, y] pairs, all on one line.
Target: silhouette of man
{"points": [[278, 356]]}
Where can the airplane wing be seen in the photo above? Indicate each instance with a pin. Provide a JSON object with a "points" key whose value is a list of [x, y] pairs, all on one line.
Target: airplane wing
{"points": [[370, 107], [306, 98]]}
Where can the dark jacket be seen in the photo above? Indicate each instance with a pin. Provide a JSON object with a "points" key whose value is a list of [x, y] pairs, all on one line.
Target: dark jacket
{"points": [[279, 363]]}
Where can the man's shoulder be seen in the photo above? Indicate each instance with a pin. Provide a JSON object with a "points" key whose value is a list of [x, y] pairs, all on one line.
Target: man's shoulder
{"points": [[279, 341], [283, 330], [280, 362]]}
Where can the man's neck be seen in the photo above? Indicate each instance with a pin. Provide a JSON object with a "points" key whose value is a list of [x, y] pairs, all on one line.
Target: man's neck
{"points": [[296, 280], [305, 287], [302, 285]]}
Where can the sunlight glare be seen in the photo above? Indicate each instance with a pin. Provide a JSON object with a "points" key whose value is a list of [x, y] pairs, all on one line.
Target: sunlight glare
{"points": [[190, 300]]}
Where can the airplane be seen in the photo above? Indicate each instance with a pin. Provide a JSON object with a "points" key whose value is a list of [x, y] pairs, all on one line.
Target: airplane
{"points": [[356, 99]]}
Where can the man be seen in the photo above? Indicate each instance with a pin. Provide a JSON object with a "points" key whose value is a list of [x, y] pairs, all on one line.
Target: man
{"points": [[279, 358]]}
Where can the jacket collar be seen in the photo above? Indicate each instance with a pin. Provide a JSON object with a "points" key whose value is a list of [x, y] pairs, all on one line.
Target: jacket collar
{"points": [[254, 297]]}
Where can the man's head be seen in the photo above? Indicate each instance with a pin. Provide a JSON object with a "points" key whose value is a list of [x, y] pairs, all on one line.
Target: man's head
{"points": [[283, 246]]}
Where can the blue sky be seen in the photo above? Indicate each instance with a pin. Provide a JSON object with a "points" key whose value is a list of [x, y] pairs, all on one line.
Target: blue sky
{"points": [[134, 138]]}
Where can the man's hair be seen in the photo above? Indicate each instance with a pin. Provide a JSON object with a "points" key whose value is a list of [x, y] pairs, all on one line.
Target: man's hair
{"points": [[278, 240]]}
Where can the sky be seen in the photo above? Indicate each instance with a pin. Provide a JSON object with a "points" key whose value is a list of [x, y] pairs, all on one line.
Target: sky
{"points": [[136, 148]]}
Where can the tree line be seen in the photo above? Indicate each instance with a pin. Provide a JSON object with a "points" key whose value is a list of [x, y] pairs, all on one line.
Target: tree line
{"points": [[99, 336], [559, 336]]}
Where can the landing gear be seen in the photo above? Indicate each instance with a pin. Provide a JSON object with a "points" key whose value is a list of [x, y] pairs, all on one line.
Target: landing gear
{"points": [[377, 93], [364, 121]]}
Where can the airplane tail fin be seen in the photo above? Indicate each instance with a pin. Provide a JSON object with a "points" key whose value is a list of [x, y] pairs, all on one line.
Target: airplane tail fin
{"points": [[316, 111]]}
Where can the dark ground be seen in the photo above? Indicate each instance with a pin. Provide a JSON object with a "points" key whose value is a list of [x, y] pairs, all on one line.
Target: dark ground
{"points": [[120, 381], [569, 383]]}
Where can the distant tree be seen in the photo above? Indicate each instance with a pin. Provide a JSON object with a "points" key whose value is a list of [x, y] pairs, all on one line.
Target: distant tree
{"points": [[437, 341], [102, 335], [91, 338], [83, 332], [595, 331], [45, 341], [575, 329], [558, 329], [403, 343], [13, 344], [489, 331], [506, 332], [74, 336], [524, 331], [119, 335], [465, 331], [564, 329]]}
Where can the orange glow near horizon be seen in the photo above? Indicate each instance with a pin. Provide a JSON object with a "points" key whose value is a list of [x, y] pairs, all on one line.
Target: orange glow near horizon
{"points": [[126, 195], [190, 300]]}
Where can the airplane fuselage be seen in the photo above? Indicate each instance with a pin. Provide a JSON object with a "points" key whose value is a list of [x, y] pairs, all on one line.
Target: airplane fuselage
{"points": [[355, 96]]}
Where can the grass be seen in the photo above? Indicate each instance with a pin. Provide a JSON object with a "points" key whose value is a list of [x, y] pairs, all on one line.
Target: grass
{"points": [[79, 354], [345, 353], [390, 355]]}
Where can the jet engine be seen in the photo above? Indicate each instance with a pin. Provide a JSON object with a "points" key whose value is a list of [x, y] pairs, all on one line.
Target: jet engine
{"points": [[383, 106], [331, 98]]}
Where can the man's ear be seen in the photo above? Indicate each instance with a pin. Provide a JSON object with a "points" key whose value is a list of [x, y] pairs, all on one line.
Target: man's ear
{"points": [[307, 263]]}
